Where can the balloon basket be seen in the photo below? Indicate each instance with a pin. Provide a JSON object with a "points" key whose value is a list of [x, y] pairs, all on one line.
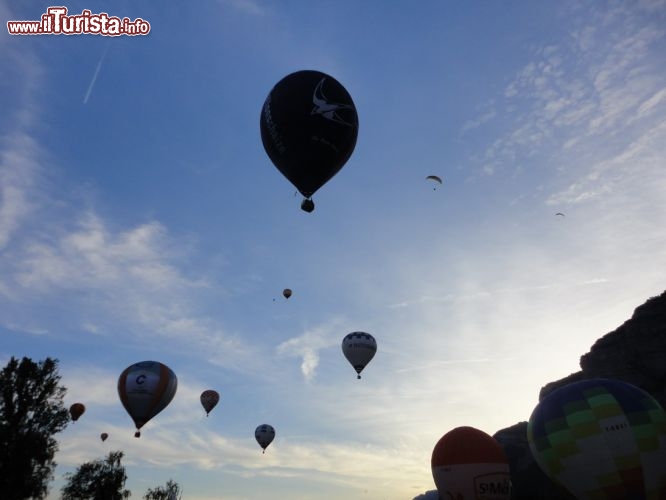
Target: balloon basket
{"points": [[307, 205]]}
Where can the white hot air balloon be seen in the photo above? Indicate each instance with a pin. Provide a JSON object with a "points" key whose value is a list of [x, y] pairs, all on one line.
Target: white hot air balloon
{"points": [[359, 348]]}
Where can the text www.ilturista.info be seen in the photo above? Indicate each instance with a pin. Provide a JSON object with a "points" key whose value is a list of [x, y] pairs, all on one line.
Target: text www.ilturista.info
{"points": [[56, 22]]}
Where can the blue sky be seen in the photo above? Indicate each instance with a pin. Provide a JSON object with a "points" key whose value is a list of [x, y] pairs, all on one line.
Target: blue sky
{"points": [[140, 219]]}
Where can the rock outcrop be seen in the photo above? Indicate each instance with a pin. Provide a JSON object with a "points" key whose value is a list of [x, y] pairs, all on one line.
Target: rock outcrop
{"points": [[635, 353]]}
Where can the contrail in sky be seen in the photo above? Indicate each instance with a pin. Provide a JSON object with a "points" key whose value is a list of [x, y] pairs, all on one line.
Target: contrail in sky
{"points": [[94, 78]]}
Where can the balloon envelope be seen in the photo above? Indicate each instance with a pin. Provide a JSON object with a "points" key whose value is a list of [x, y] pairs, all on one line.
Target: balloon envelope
{"points": [[76, 410], [359, 348], [286, 292], [103, 436], [209, 399], [264, 434], [309, 127], [601, 439], [145, 389], [469, 464]]}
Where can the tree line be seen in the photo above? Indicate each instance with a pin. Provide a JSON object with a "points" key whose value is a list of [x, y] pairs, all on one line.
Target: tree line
{"points": [[32, 412]]}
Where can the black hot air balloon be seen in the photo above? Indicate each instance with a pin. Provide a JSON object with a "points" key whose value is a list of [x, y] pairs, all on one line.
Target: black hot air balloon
{"points": [[309, 127]]}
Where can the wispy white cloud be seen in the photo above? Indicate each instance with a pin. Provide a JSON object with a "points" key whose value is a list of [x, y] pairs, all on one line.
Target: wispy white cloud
{"points": [[251, 7], [587, 108], [308, 345], [18, 169], [92, 257], [633, 165], [19, 153], [649, 105], [477, 122]]}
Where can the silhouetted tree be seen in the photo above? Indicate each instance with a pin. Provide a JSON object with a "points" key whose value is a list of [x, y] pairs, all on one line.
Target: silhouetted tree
{"points": [[102, 479], [171, 491], [31, 412]]}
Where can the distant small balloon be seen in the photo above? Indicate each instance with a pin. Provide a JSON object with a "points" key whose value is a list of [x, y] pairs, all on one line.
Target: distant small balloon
{"points": [[209, 399], [287, 293], [76, 410], [264, 434], [103, 436]]}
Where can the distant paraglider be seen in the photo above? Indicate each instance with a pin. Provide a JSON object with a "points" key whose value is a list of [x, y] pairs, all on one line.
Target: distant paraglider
{"points": [[145, 389], [468, 463], [435, 179], [560, 214], [601, 438], [103, 436], [264, 434], [76, 410], [209, 399], [309, 128], [286, 293], [359, 348]]}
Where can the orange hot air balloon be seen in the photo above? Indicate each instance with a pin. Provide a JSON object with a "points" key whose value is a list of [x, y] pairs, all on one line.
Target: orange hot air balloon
{"points": [[145, 389], [468, 464], [209, 399], [103, 436], [76, 410]]}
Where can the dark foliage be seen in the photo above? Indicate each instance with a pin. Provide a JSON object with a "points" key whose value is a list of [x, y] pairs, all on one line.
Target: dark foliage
{"points": [[31, 412], [171, 491], [102, 479]]}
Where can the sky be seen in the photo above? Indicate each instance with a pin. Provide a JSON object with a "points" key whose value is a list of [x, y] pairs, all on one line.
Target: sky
{"points": [[141, 219]]}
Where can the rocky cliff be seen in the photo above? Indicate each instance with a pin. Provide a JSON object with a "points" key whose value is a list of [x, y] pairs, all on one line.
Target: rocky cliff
{"points": [[635, 352]]}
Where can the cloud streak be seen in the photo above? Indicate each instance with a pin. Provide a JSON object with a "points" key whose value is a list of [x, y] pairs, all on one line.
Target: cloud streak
{"points": [[94, 78]]}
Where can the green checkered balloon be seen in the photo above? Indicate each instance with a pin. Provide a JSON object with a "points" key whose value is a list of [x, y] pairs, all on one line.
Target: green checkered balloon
{"points": [[601, 439]]}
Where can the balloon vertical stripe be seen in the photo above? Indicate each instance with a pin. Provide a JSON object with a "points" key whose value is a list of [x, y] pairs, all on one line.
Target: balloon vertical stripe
{"points": [[145, 389]]}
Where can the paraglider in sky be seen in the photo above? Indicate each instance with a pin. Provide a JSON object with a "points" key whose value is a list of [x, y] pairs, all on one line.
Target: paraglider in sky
{"points": [[467, 464], [264, 434], [359, 348], [309, 127], [601, 438], [560, 214], [76, 410], [209, 399], [103, 436], [434, 178], [287, 293], [145, 389]]}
